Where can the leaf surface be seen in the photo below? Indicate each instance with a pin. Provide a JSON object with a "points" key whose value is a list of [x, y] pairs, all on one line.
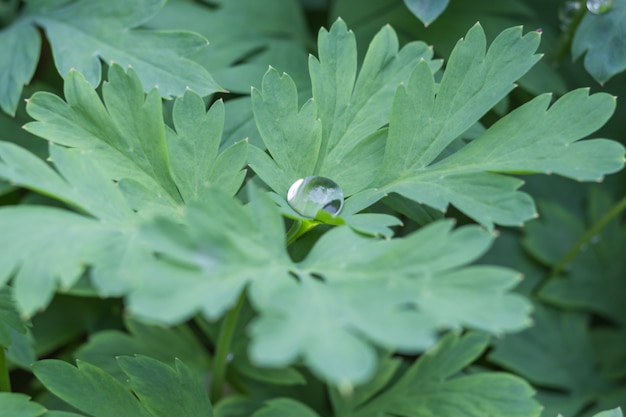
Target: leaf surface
{"points": [[164, 391], [19, 405], [333, 288], [435, 386], [426, 10], [20, 52], [84, 33], [600, 38], [9, 317]]}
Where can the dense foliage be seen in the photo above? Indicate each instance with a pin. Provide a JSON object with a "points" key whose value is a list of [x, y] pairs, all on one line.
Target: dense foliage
{"points": [[197, 221]]}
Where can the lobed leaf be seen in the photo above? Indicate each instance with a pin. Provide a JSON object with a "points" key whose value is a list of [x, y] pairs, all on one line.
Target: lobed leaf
{"points": [[222, 248], [84, 33], [434, 385]]}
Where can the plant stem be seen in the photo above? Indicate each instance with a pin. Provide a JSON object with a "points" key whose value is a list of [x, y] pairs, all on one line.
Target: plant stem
{"points": [[586, 238], [565, 42], [224, 340], [298, 228], [5, 382]]}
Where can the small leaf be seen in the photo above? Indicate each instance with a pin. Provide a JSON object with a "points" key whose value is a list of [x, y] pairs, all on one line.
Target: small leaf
{"points": [[9, 317], [426, 10], [19, 405], [21, 44], [600, 37]]}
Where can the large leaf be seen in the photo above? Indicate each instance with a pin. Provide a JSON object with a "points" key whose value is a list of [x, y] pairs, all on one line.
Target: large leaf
{"points": [[420, 283], [435, 386], [84, 33], [350, 109], [426, 118], [600, 38], [117, 172]]}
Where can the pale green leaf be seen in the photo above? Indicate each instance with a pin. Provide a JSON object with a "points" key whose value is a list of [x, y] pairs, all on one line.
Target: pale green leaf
{"points": [[88, 388], [20, 52], [616, 412], [351, 109], [223, 247], [82, 34], [19, 405], [600, 37], [193, 150], [164, 391], [434, 386]]}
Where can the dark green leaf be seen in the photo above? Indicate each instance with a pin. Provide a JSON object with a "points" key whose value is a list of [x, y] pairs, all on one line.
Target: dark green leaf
{"points": [[166, 392], [84, 33], [433, 386], [88, 388], [601, 38]]}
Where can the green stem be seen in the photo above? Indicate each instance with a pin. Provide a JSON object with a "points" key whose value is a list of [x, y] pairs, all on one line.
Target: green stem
{"points": [[224, 340], [5, 382], [565, 42], [298, 228], [587, 237]]}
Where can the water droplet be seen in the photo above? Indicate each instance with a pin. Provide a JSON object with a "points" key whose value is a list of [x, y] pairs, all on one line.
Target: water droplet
{"points": [[567, 13], [308, 195], [599, 6]]}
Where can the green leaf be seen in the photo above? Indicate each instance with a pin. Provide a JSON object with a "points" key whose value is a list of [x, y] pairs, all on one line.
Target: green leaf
{"points": [[616, 412], [19, 405], [193, 150], [557, 353], [88, 388], [426, 10], [350, 108], [163, 344], [84, 33], [9, 317], [166, 392], [588, 282], [21, 44], [223, 247], [280, 407], [532, 138], [600, 38], [434, 386]]}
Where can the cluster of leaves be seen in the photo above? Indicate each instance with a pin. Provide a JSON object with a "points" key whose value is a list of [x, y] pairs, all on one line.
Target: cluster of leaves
{"points": [[386, 309]]}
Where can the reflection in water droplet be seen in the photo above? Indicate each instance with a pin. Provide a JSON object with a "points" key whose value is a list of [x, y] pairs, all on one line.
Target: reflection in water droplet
{"points": [[567, 13], [599, 6], [308, 195]]}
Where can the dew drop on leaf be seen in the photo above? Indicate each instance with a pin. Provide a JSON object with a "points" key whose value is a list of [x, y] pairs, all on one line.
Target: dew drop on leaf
{"points": [[599, 6], [308, 195]]}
